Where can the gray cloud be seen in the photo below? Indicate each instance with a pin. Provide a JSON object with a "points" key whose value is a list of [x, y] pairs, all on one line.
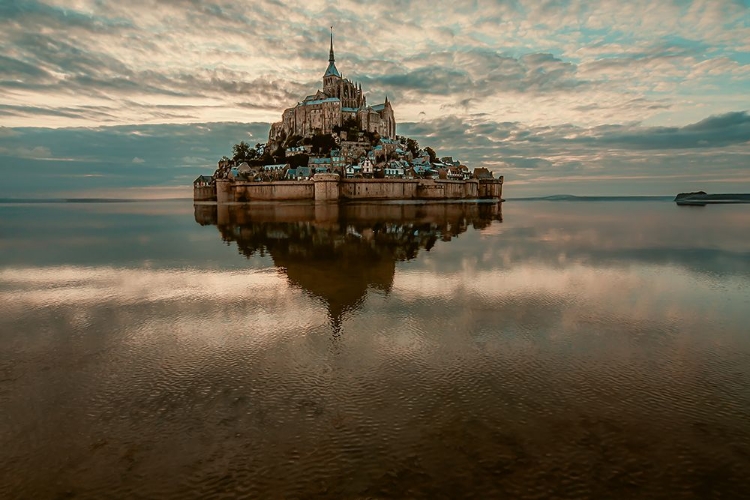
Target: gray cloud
{"points": [[104, 53], [618, 156], [536, 90]]}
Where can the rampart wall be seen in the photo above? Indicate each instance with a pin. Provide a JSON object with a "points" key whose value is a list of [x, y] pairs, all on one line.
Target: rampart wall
{"points": [[327, 187], [243, 192], [204, 193]]}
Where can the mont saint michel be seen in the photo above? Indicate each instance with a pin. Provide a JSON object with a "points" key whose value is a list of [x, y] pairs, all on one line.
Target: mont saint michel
{"points": [[432, 253], [340, 101], [332, 145]]}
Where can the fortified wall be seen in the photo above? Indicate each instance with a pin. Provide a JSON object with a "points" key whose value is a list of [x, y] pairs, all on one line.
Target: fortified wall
{"points": [[329, 187]]}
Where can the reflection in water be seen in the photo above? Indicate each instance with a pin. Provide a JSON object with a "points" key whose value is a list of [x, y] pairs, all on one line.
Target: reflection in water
{"points": [[573, 350], [337, 252]]}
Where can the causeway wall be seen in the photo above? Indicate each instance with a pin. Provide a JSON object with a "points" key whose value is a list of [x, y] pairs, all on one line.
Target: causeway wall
{"points": [[328, 187]]}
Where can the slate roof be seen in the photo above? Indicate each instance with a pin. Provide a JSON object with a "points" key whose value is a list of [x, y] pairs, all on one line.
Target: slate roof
{"points": [[321, 101], [332, 71]]}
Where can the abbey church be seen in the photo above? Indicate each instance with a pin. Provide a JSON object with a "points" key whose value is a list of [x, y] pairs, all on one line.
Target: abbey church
{"points": [[340, 100]]}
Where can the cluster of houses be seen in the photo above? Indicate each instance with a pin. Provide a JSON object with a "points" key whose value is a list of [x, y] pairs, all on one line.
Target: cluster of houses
{"points": [[352, 160]]}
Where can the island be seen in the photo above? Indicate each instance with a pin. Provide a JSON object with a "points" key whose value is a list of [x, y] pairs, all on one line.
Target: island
{"points": [[701, 198], [333, 146]]}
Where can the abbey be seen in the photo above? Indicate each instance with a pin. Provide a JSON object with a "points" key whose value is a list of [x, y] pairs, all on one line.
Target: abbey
{"points": [[339, 101]]}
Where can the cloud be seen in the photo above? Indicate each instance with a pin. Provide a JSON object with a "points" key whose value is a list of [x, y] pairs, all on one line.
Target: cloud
{"points": [[564, 89], [7, 132], [588, 63], [28, 152], [617, 158]]}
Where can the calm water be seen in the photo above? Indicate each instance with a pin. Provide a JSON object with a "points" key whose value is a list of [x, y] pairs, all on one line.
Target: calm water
{"points": [[595, 349]]}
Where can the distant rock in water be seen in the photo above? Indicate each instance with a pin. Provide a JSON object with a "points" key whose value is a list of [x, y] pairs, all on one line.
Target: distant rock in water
{"points": [[702, 198]]}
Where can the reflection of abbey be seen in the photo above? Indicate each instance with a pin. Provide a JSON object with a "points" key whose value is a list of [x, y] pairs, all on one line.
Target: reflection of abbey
{"points": [[340, 100], [340, 252]]}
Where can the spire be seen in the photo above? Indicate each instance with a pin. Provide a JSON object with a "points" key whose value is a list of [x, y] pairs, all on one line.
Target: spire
{"points": [[331, 71], [330, 57]]}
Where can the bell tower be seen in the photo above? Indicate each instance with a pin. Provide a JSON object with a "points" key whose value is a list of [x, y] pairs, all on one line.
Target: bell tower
{"points": [[332, 76]]}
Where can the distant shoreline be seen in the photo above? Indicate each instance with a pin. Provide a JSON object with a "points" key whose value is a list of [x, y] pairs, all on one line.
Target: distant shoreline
{"points": [[701, 198]]}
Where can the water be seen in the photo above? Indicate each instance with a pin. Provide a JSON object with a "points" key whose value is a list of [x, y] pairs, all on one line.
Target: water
{"points": [[597, 349]]}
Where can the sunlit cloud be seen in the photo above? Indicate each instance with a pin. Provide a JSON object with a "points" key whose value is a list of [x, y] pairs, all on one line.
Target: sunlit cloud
{"points": [[525, 88]]}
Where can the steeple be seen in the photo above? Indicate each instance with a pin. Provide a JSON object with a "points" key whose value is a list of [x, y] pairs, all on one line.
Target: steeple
{"points": [[331, 71]]}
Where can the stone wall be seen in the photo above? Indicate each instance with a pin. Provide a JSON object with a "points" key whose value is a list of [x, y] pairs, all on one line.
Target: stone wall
{"points": [[204, 193], [491, 188], [378, 189], [327, 187], [243, 192]]}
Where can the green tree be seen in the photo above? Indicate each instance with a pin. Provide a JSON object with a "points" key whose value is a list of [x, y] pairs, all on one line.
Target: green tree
{"points": [[241, 152]]}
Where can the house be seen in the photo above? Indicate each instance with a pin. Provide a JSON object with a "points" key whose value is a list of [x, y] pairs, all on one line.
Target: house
{"points": [[388, 145], [448, 160], [366, 166], [421, 160], [298, 150], [482, 173], [203, 181], [299, 173], [320, 164], [352, 171], [276, 167], [465, 171], [338, 162], [424, 171], [394, 169], [377, 153]]}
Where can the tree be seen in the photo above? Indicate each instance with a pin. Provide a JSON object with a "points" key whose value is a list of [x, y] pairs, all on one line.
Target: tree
{"points": [[431, 152], [300, 160], [323, 143], [242, 152], [267, 158], [293, 141], [412, 146]]}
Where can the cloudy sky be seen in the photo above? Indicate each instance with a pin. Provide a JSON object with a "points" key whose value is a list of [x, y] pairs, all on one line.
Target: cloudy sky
{"points": [[104, 98]]}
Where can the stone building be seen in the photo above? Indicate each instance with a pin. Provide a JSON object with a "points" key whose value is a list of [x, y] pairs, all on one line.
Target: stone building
{"points": [[340, 100]]}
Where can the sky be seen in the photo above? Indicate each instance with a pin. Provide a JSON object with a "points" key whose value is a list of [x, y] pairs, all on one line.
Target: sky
{"points": [[105, 98]]}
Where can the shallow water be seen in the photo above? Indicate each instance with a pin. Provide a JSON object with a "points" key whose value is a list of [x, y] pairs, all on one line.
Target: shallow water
{"points": [[594, 349]]}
